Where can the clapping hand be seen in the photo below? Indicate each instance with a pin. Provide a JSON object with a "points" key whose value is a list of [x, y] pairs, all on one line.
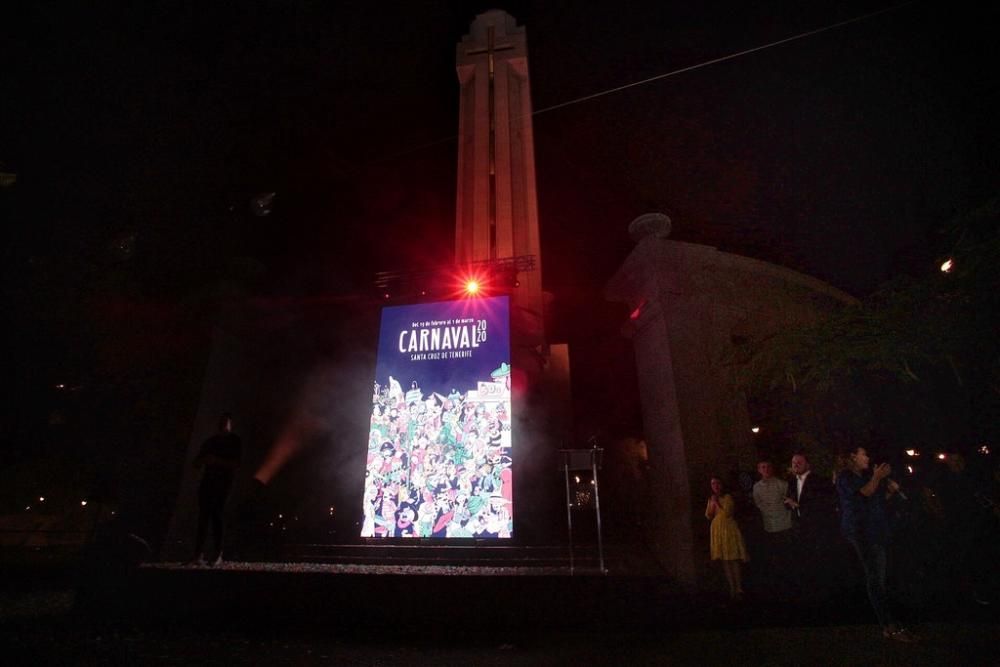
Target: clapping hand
{"points": [[882, 471]]}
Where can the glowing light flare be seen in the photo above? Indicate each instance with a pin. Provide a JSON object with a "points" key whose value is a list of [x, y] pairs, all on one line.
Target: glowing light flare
{"points": [[909, 469], [912, 452], [637, 313], [473, 284], [41, 499], [83, 503], [984, 450], [755, 429], [942, 456], [947, 266]]}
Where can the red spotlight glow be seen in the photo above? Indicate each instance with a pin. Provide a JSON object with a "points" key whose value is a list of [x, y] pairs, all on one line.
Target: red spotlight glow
{"points": [[637, 313], [472, 287]]}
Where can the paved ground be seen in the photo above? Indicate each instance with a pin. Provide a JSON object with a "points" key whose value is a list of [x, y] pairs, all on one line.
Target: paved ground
{"points": [[45, 627]]}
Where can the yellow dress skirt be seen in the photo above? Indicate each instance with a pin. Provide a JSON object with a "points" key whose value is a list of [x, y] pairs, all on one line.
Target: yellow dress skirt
{"points": [[726, 540]]}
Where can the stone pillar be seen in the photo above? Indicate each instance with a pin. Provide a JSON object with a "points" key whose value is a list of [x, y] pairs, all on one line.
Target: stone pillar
{"points": [[669, 485], [637, 284]]}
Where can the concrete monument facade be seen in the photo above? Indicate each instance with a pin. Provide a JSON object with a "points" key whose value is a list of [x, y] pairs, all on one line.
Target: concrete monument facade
{"points": [[496, 213], [689, 304]]}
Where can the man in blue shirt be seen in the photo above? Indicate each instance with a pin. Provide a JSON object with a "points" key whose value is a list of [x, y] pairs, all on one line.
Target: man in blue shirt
{"points": [[864, 523]]}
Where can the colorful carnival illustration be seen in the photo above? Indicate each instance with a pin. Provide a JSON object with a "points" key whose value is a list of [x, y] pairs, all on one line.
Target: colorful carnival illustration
{"points": [[439, 464]]}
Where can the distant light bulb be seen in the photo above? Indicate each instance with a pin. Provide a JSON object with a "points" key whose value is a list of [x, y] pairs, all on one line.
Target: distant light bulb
{"points": [[755, 429], [472, 287], [912, 452], [947, 266], [83, 503], [41, 499], [942, 456]]}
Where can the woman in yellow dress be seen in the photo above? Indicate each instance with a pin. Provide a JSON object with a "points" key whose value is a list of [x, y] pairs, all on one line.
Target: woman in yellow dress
{"points": [[726, 543]]}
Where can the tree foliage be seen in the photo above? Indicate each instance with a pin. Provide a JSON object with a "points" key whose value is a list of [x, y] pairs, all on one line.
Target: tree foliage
{"points": [[939, 330]]}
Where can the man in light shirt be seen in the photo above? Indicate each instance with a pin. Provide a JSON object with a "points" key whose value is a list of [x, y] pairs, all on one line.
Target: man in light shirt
{"points": [[769, 496]]}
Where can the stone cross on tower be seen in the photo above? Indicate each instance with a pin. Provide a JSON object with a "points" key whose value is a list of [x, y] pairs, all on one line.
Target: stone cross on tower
{"points": [[497, 210]]}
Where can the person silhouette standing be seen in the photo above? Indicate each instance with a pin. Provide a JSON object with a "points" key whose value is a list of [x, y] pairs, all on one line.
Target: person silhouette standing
{"points": [[220, 456]]}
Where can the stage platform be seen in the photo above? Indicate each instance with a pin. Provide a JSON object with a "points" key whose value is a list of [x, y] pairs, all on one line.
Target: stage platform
{"points": [[381, 569], [547, 559], [409, 590], [550, 558]]}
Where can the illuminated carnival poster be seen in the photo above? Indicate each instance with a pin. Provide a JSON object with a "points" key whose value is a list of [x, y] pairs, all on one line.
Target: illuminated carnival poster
{"points": [[439, 444]]}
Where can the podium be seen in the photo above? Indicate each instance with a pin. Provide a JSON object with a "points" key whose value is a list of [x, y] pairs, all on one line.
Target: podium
{"points": [[583, 459]]}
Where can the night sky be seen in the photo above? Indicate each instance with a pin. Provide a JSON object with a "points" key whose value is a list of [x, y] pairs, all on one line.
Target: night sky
{"points": [[140, 134], [839, 154]]}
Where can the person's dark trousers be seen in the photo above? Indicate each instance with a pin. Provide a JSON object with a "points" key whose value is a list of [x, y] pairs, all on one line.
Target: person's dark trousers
{"points": [[778, 559], [813, 568], [211, 503], [873, 560], [800, 565]]}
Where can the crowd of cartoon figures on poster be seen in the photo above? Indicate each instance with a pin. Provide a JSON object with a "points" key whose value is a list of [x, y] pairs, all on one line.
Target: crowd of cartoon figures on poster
{"points": [[440, 465]]}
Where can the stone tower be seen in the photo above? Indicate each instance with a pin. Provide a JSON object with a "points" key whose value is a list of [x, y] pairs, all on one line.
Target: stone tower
{"points": [[497, 210]]}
